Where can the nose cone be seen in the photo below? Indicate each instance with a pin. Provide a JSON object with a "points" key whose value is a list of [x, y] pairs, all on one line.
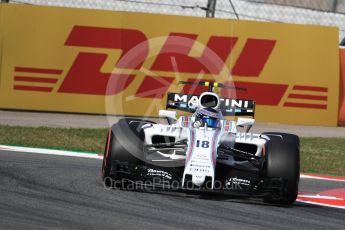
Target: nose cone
{"points": [[198, 180]]}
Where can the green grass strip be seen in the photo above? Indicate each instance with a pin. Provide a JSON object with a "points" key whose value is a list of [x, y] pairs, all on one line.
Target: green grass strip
{"points": [[80, 140], [323, 156]]}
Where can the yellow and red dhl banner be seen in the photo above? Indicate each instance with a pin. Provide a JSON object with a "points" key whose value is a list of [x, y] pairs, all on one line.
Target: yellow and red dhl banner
{"points": [[90, 61]]}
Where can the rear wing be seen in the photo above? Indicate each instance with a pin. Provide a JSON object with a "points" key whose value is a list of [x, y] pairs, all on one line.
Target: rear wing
{"points": [[229, 107]]}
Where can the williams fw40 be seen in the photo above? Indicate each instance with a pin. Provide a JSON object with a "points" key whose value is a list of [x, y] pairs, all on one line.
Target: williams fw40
{"points": [[204, 151]]}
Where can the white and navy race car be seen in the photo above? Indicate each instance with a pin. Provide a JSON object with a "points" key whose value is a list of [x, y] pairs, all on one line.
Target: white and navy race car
{"points": [[204, 151]]}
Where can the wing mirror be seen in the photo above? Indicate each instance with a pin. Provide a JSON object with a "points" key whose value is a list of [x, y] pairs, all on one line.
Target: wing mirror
{"points": [[248, 122], [169, 115]]}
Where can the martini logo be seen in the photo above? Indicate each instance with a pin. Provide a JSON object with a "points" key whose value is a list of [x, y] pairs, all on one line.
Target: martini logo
{"points": [[194, 99], [229, 107]]}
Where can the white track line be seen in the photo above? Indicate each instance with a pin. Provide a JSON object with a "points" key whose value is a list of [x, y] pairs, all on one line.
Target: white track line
{"points": [[50, 152], [320, 197], [306, 176], [320, 204]]}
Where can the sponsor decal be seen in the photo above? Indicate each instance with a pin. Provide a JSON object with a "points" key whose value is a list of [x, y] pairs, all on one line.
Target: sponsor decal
{"points": [[238, 181], [159, 173], [200, 168], [193, 101], [229, 107]]}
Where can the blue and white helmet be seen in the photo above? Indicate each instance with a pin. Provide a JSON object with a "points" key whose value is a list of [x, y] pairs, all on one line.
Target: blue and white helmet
{"points": [[208, 116]]}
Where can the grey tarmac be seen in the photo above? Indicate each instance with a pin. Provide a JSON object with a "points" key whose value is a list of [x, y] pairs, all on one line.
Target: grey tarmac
{"points": [[55, 192]]}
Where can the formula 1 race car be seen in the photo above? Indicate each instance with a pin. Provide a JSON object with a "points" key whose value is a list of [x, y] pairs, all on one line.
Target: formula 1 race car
{"points": [[203, 152]]}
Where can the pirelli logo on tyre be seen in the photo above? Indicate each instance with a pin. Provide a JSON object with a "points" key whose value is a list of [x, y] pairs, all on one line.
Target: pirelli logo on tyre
{"points": [[125, 63]]}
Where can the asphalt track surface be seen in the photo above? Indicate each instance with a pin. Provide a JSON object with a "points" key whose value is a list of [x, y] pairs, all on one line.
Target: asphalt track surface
{"points": [[56, 192]]}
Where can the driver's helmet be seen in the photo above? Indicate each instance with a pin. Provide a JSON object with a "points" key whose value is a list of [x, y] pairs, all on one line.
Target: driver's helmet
{"points": [[208, 116]]}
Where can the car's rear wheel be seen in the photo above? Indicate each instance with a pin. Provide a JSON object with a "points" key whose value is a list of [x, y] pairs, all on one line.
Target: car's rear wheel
{"points": [[123, 149], [282, 168]]}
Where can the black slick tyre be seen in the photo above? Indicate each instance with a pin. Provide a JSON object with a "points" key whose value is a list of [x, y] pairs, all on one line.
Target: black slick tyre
{"points": [[123, 149], [283, 164]]}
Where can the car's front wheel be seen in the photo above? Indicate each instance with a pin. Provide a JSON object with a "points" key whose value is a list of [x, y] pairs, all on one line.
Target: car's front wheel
{"points": [[123, 149], [282, 168]]}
